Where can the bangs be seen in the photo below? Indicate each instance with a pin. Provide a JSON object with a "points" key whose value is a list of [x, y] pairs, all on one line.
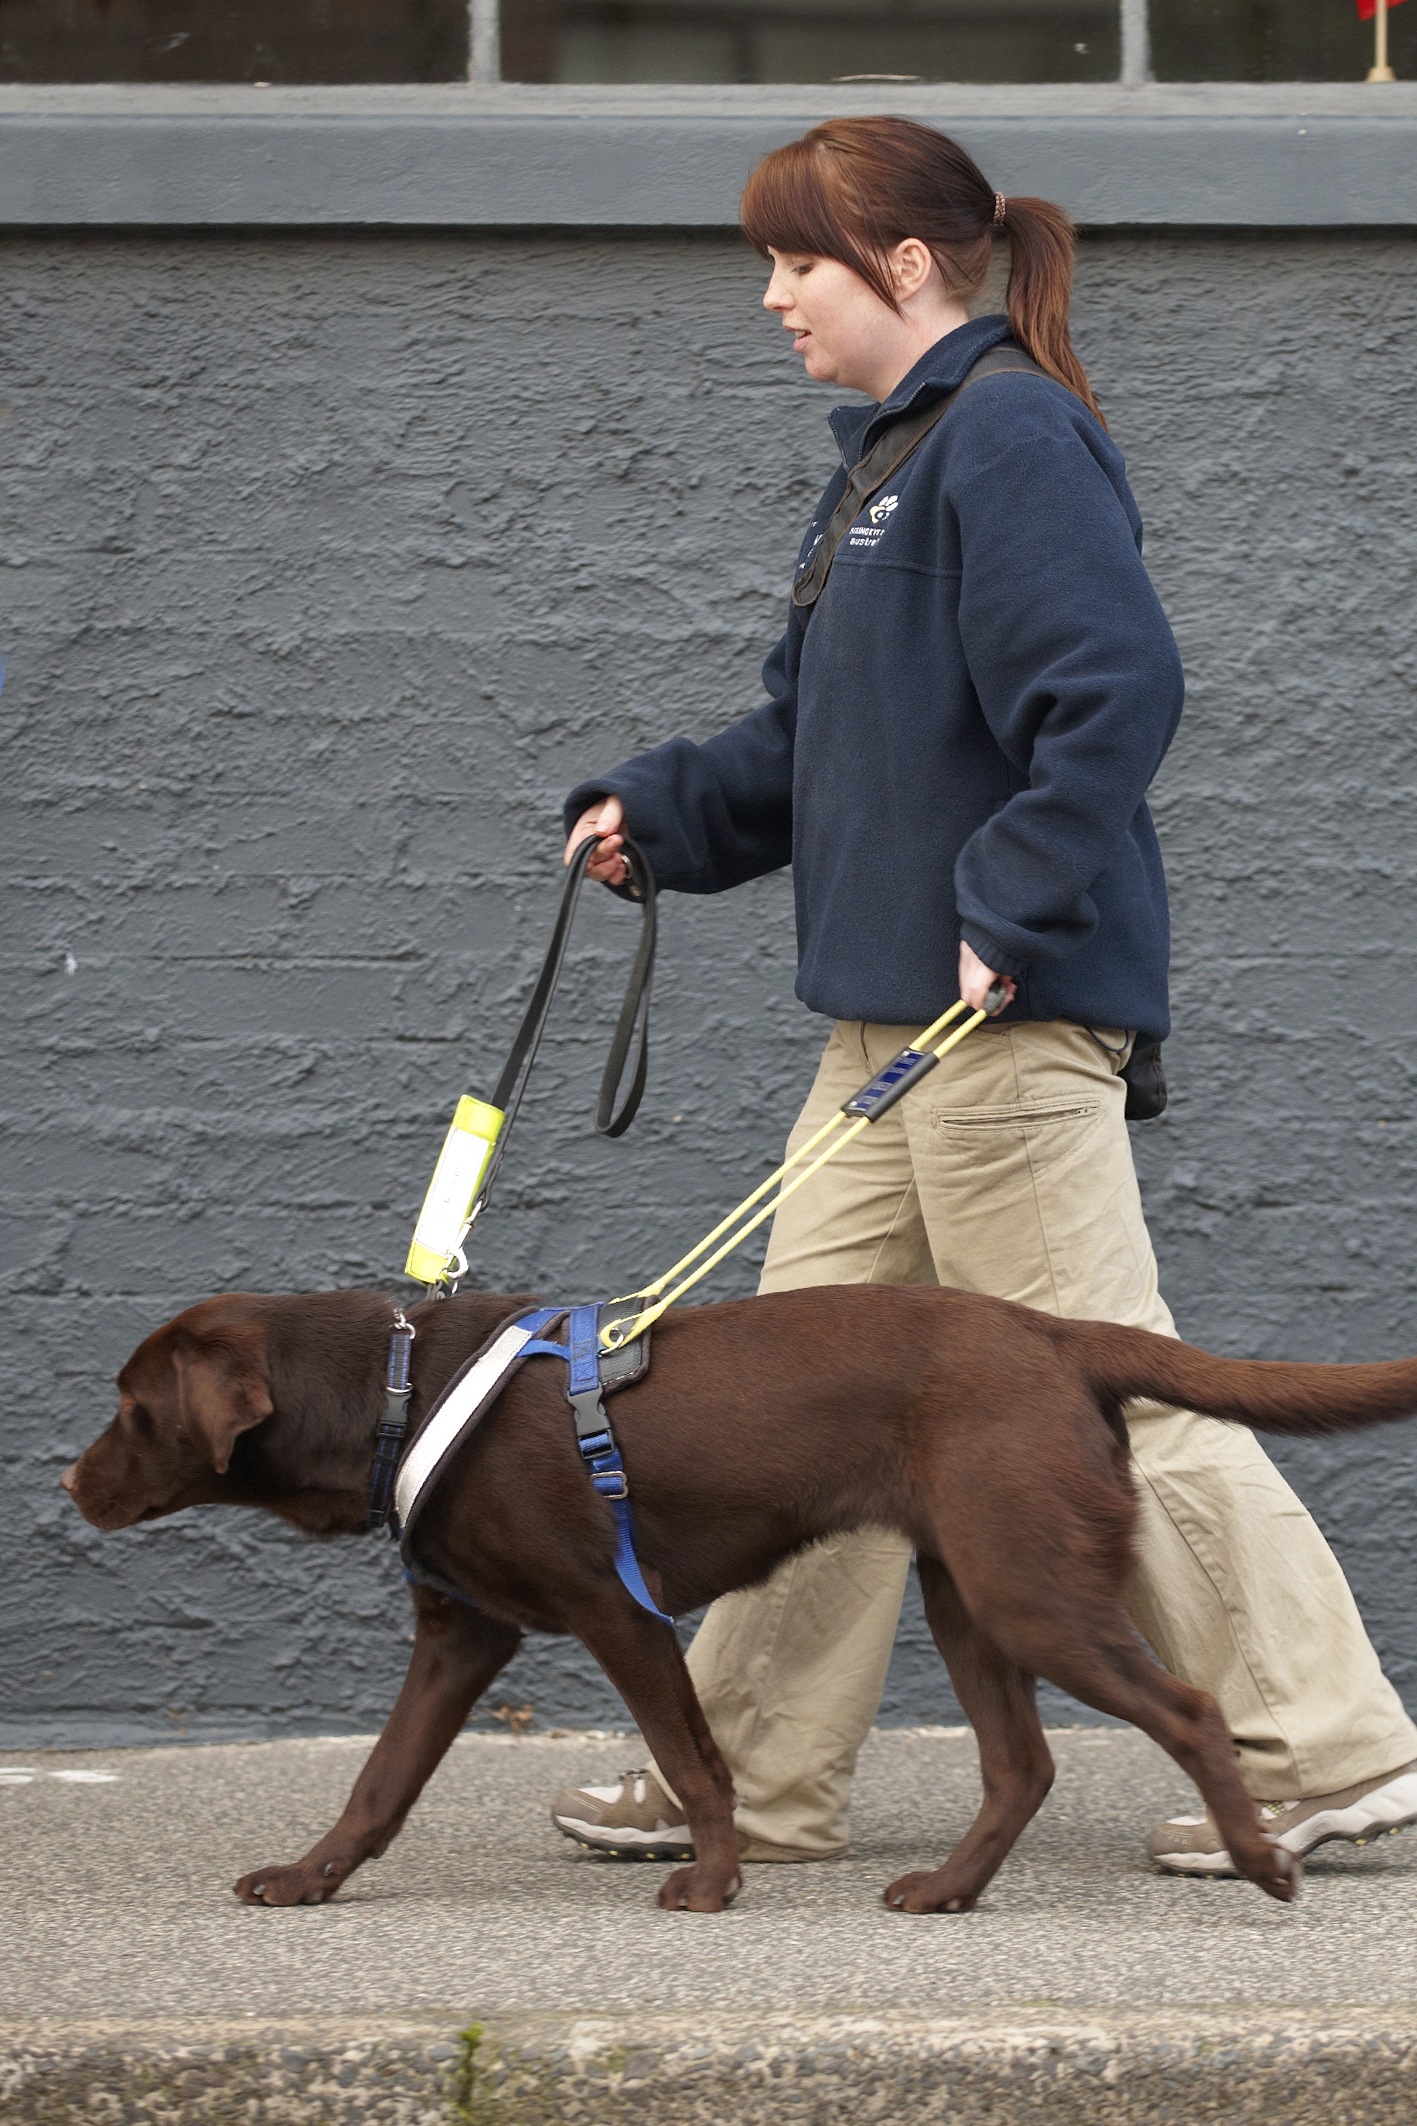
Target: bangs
{"points": [[798, 199]]}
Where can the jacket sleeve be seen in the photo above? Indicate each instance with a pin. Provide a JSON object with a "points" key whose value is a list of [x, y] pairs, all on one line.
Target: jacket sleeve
{"points": [[710, 816], [1079, 680]]}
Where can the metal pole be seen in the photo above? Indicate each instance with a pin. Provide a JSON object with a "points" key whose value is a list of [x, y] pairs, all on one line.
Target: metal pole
{"points": [[1380, 70], [1136, 44], [484, 42]]}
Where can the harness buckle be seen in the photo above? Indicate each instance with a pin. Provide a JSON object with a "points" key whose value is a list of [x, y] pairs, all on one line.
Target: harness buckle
{"points": [[591, 1421], [611, 1476]]}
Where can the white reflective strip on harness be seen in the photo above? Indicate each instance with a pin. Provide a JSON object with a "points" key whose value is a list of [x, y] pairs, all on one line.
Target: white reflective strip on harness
{"points": [[476, 1388]]}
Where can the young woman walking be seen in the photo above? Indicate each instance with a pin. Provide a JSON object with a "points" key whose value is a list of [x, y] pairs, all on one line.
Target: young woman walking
{"points": [[953, 757]]}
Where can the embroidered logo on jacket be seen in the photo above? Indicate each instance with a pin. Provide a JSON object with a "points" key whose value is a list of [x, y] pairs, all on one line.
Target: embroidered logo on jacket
{"points": [[867, 534]]}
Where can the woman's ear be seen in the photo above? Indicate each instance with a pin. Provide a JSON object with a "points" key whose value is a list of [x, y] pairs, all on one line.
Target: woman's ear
{"points": [[912, 264], [221, 1393]]}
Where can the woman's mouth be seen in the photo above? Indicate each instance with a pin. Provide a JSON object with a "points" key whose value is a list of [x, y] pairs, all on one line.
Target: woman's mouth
{"points": [[799, 344]]}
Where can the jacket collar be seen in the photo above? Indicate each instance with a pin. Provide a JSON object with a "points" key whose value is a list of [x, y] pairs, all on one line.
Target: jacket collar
{"points": [[941, 368]]}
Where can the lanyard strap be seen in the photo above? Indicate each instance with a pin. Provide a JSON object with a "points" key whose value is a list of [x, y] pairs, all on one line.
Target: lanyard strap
{"points": [[883, 460]]}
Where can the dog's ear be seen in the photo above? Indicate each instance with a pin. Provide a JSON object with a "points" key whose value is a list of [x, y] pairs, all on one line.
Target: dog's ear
{"points": [[221, 1393]]}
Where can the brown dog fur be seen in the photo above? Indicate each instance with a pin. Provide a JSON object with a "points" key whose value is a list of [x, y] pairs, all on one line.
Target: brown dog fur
{"points": [[988, 1434]]}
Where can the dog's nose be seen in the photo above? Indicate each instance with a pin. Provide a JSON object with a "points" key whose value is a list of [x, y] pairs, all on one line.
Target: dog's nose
{"points": [[70, 1478]]}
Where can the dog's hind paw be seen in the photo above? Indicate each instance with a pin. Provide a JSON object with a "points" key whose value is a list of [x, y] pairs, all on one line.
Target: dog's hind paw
{"points": [[298, 1885], [918, 1892], [696, 1889]]}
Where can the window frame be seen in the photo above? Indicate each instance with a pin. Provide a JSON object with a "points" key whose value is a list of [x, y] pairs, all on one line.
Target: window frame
{"points": [[484, 44]]}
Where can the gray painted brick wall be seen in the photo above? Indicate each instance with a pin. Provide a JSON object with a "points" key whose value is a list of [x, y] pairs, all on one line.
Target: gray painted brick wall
{"points": [[331, 562]]}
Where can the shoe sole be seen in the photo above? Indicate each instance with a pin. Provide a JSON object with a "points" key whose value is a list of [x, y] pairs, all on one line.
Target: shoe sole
{"points": [[1352, 1826], [621, 1845]]}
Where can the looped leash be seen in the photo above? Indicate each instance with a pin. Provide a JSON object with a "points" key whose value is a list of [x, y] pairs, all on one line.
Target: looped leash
{"points": [[476, 1143], [518, 1067]]}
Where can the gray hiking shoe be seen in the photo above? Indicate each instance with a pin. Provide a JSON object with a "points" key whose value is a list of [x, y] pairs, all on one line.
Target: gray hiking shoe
{"points": [[635, 1820], [1191, 1845]]}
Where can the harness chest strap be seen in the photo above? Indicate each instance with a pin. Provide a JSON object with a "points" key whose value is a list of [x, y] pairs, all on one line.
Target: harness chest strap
{"points": [[463, 1403], [471, 1394]]}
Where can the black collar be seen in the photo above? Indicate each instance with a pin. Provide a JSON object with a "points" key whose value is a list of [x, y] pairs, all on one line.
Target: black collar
{"points": [[388, 1441]]}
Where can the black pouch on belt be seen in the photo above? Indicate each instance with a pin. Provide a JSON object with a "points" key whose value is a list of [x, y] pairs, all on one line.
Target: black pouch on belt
{"points": [[1145, 1081]]}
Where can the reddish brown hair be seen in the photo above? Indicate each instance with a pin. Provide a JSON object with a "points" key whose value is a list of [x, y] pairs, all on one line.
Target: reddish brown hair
{"points": [[855, 187]]}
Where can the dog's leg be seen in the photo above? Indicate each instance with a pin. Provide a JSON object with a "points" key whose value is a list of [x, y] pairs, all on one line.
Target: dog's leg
{"points": [[1086, 1645], [1014, 1763], [643, 1661], [456, 1653]]}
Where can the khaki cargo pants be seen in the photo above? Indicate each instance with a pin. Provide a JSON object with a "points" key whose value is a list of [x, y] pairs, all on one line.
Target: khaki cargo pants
{"points": [[1009, 1171]]}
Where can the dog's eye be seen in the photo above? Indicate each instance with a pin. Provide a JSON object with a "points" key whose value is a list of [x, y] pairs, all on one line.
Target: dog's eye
{"points": [[138, 1419]]}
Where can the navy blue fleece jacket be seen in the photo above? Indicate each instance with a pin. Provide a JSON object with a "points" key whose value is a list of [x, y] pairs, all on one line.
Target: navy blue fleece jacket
{"points": [[958, 742]]}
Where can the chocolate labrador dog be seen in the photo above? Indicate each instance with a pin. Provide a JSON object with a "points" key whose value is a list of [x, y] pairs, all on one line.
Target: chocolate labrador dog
{"points": [[990, 1435]]}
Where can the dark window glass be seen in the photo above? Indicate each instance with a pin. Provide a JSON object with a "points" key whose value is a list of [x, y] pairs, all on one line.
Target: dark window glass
{"points": [[233, 40], [810, 40], [1274, 40]]}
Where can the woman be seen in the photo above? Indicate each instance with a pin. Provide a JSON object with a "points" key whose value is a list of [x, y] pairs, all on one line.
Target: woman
{"points": [[953, 757]]}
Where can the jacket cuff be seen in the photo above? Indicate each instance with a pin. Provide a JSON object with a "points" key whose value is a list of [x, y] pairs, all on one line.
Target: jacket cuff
{"points": [[992, 953], [582, 798]]}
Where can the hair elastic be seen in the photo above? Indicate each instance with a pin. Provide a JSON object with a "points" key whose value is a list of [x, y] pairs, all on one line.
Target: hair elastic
{"points": [[998, 210]]}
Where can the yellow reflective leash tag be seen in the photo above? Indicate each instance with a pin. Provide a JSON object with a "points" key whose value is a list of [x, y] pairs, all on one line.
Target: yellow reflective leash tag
{"points": [[447, 1207]]}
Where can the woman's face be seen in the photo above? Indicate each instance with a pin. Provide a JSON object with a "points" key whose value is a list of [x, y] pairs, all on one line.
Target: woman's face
{"points": [[840, 326], [843, 331]]}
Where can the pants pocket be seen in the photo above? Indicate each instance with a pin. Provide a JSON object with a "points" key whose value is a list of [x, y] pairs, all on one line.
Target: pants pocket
{"points": [[1037, 1135]]}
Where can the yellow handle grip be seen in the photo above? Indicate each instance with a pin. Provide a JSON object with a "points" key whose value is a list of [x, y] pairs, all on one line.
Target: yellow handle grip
{"points": [[457, 1177]]}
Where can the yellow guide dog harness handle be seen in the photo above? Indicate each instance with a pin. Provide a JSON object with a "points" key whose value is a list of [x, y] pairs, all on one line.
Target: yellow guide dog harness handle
{"points": [[874, 1099]]}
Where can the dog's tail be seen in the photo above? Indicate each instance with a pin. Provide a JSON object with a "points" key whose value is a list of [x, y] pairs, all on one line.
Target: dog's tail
{"points": [[1269, 1394]]}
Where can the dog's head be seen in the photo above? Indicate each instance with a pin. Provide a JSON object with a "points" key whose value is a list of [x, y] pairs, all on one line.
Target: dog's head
{"points": [[264, 1400], [187, 1395]]}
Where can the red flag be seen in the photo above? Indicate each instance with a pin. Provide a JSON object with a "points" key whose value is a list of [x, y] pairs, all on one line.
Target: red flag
{"points": [[1368, 8]]}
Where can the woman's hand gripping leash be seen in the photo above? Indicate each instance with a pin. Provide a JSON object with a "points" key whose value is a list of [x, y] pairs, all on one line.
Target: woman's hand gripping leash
{"points": [[609, 865], [980, 987]]}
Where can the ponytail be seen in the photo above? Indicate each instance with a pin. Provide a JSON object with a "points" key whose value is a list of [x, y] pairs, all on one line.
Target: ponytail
{"points": [[855, 187], [1041, 241]]}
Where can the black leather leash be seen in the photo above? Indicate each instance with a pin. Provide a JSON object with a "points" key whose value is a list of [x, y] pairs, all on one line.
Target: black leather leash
{"points": [[634, 1011]]}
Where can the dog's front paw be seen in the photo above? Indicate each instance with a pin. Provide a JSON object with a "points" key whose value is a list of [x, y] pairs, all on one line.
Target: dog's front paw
{"points": [[1280, 1873], [303, 1884], [699, 1889], [927, 1893]]}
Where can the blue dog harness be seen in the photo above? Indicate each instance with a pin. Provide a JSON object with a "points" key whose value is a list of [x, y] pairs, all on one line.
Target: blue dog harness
{"points": [[585, 1393], [467, 1399]]}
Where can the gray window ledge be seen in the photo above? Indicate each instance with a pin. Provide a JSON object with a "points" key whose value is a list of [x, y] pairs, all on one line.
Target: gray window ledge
{"points": [[1282, 156]]}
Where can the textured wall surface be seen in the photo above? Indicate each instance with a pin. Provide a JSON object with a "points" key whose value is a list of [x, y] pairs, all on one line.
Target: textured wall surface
{"points": [[330, 564]]}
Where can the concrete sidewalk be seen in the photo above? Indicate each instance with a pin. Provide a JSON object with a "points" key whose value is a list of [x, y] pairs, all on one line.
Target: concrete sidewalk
{"points": [[1085, 1988]]}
